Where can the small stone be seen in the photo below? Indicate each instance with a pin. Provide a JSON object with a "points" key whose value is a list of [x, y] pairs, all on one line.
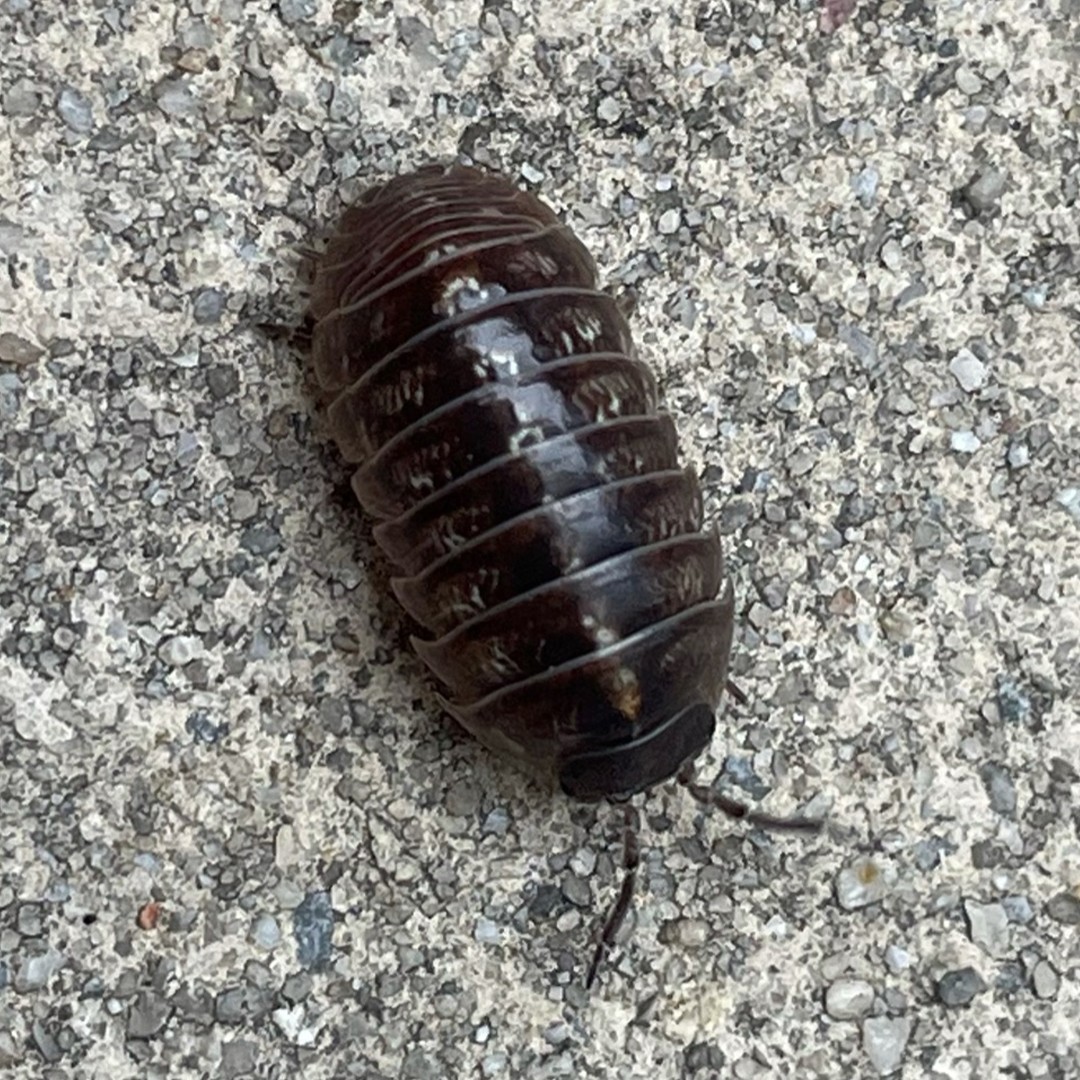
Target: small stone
{"points": [[884, 1040], [208, 306], [493, 1064], [265, 932], [967, 82], [999, 788], [17, 350], [75, 110], [897, 959], [1069, 498], [222, 380], [669, 222], [985, 190], [1064, 908], [577, 891], [609, 110], [960, 987], [21, 99], [149, 1014], [297, 988], [1019, 909], [689, 933], [989, 925], [865, 882], [45, 1042], [260, 539], [1018, 455], [242, 1004], [965, 442], [176, 98], [486, 932], [968, 370], [238, 1058], [180, 650], [496, 823], [36, 971], [865, 185], [848, 999], [313, 928], [1045, 981]]}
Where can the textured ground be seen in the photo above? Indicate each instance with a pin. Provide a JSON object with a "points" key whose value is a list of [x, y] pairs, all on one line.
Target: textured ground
{"points": [[237, 839]]}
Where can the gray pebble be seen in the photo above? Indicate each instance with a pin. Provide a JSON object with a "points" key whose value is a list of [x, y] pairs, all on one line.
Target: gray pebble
{"points": [[75, 110], [968, 370], [222, 380], [175, 98], [965, 442], [265, 932], [1045, 981], [297, 988], [865, 185], [493, 1064], [989, 926], [35, 971], [208, 306], [1019, 909], [960, 987], [149, 1015], [313, 928], [17, 350], [689, 933], [294, 11], [848, 999], [486, 932], [242, 1004], [985, 190], [884, 1040], [967, 82], [669, 222], [865, 882], [1013, 703], [260, 539], [577, 891], [609, 110], [1069, 498], [897, 959], [180, 650], [999, 787], [238, 1058], [1064, 908], [21, 99], [496, 823]]}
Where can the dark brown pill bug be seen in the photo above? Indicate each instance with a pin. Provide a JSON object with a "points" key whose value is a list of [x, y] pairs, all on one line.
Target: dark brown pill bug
{"points": [[509, 446]]}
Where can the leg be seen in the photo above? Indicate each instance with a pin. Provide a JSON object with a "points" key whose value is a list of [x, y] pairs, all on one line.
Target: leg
{"points": [[707, 797], [621, 907], [736, 694]]}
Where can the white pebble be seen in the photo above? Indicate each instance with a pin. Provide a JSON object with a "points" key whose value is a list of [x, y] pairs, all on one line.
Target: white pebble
{"points": [[848, 999], [968, 370]]}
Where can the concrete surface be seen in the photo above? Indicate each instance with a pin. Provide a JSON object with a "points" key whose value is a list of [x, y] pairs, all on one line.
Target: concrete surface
{"points": [[237, 839]]}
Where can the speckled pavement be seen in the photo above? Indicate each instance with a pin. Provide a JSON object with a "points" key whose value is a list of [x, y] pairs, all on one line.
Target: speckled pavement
{"points": [[236, 836]]}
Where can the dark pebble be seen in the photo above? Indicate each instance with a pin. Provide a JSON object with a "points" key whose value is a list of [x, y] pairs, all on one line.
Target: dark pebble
{"points": [[1064, 908], [313, 928], [960, 987]]}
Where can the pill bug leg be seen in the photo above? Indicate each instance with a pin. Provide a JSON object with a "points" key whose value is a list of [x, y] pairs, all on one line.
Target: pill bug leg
{"points": [[623, 902], [708, 796]]}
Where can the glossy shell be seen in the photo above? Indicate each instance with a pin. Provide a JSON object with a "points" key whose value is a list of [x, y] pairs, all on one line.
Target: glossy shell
{"points": [[508, 444]]}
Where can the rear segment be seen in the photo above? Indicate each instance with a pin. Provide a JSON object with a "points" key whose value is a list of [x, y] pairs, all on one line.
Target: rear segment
{"points": [[509, 447]]}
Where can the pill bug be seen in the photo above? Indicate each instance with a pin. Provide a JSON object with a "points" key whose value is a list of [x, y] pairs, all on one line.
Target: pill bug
{"points": [[527, 487]]}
